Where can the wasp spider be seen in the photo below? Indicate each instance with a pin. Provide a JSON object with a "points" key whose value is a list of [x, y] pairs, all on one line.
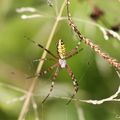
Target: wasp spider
{"points": [[61, 63]]}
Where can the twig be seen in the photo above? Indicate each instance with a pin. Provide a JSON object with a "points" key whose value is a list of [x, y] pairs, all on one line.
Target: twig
{"points": [[106, 32], [87, 41], [34, 82], [112, 98], [12, 87], [34, 104]]}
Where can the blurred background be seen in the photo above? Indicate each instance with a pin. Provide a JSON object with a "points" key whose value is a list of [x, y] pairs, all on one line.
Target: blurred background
{"points": [[97, 79]]}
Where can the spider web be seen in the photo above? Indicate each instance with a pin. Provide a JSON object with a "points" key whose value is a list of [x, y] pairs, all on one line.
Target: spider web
{"points": [[35, 14]]}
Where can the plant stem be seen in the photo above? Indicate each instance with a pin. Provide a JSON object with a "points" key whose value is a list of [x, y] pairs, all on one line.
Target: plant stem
{"points": [[34, 82]]}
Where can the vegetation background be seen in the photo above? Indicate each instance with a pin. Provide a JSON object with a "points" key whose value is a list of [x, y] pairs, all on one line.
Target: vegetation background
{"points": [[97, 79]]}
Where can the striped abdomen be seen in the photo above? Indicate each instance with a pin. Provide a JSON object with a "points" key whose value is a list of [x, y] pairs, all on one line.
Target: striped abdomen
{"points": [[61, 49]]}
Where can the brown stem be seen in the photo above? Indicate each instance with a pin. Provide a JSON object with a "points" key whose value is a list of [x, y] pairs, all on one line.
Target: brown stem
{"points": [[87, 41]]}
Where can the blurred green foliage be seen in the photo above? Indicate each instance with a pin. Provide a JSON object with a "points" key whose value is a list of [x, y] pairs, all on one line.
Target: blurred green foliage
{"points": [[96, 78]]}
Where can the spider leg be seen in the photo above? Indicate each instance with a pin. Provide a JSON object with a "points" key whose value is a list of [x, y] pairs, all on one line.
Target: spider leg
{"points": [[39, 45], [75, 83], [74, 50], [44, 72], [48, 70], [44, 59], [52, 83], [69, 55]]}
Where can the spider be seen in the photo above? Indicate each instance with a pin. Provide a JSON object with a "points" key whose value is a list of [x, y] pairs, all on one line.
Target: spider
{"points": [[61, 63]]}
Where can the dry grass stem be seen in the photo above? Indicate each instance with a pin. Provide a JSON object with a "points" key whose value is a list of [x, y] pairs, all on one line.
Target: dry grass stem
{"points": [[87, 41], [34, 82]]}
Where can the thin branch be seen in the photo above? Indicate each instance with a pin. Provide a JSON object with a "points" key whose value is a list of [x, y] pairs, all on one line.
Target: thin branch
{"points": [[34, 82], [56, 8], [13, 87], [50, 3], [80, 113], [87, 41], [34, 104], [17, 99], [113, 34], [112, 98], [94, 102], [24, 16], [33, 13], [26, 9], [106, 32]]}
